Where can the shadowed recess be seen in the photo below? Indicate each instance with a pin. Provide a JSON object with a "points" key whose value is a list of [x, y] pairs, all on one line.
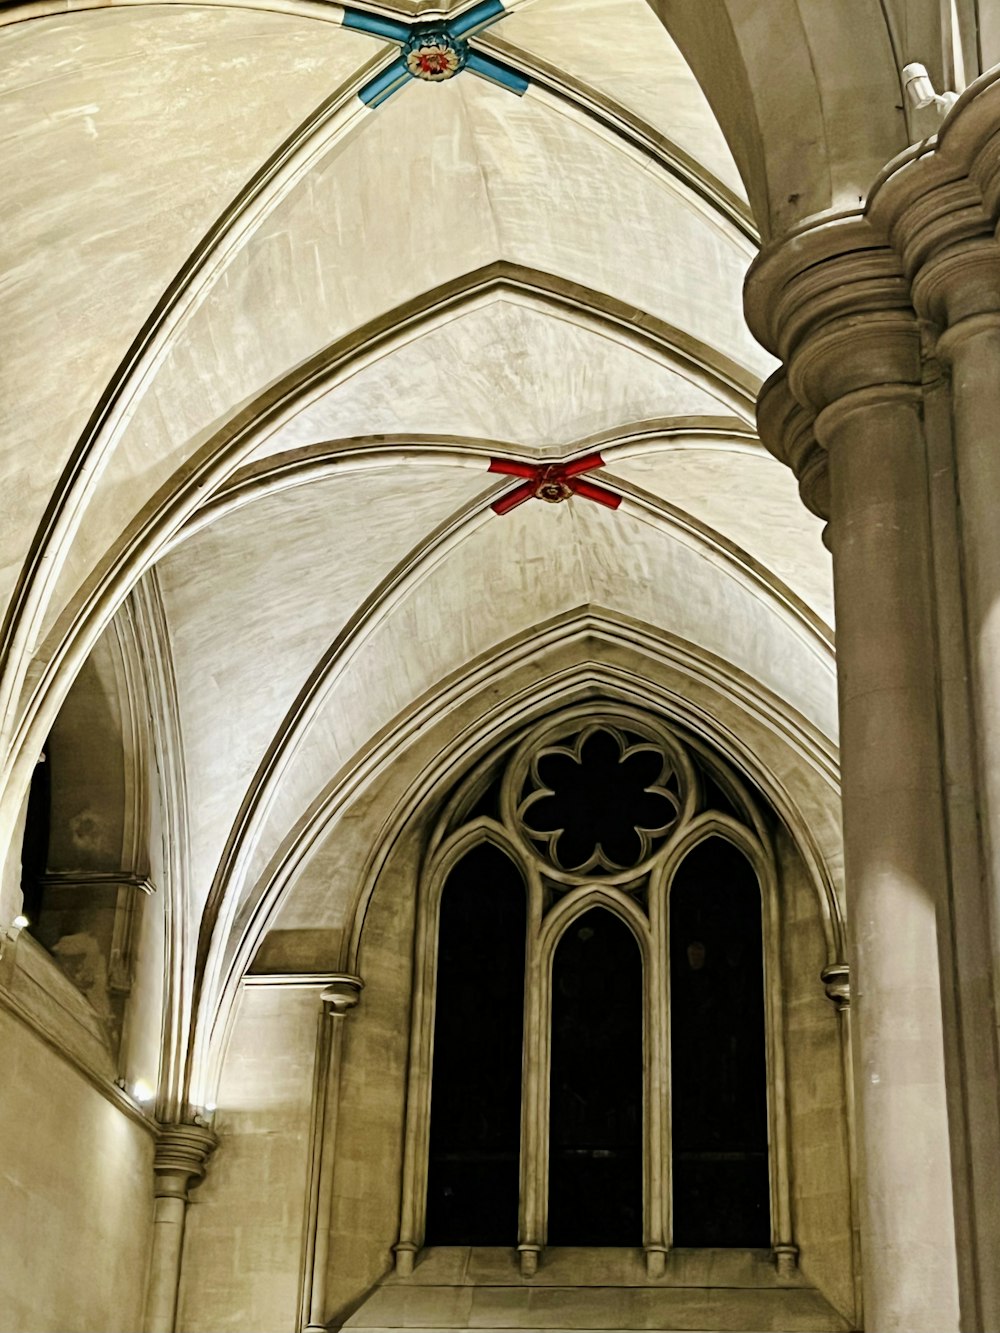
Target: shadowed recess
{"points": [[595, 1135], [473, 1165], [720, 1168]]}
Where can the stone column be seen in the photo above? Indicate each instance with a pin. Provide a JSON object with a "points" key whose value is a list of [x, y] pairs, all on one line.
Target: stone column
{"points": [[338, 999], [835, 306], [926, 245], [959, 290], [894, 833], [179, 1163]]}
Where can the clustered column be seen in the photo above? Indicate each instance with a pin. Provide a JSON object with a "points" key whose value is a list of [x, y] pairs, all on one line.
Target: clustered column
{"points": [[887, 407]]}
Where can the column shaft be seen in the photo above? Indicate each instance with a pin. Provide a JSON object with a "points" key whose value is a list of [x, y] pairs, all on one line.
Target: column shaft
{"points": [[179, 1162], [165, 1261], [326, 1158], [976, 412], [974, 348], [895, 855], [338, 999]]}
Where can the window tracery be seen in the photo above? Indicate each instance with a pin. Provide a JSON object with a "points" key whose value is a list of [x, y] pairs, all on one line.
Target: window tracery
{"points": [[598, 810]]}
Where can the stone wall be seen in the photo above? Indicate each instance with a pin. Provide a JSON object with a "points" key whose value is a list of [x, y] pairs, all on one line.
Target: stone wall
{"points": [[816, 1093], [76, 1188], [243, 1236]]}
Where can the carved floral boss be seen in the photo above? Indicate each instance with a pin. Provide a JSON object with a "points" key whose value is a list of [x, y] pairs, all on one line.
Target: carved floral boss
{"points": [[434, 51], [551, 482]]}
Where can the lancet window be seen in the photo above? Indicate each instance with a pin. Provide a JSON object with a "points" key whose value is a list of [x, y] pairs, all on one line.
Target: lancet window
{"points": [[596, 1047]]}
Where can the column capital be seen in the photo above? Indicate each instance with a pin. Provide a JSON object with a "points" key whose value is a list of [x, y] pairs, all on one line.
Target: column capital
{"points": [[181, 1158], [940, 208], [836, 979], [341, 995], [959, 284], [833, 302], [871, 357], [825, 274], [786, 430]]}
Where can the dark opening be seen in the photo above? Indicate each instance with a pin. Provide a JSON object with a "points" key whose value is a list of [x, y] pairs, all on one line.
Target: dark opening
{"points": [[599, 801], [717, 1061], [473, 1172], [35, 845], [595, 1119]]}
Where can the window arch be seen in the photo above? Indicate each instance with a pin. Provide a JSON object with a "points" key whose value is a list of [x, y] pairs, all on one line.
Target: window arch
{"points": [[609, 818]]}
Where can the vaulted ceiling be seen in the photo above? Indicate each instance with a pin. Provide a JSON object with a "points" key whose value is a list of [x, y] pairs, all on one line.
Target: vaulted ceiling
{"points": [[272, 312]]}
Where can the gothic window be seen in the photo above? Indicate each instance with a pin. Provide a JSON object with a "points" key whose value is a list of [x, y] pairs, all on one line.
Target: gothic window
{"points": [[594, 1010]]}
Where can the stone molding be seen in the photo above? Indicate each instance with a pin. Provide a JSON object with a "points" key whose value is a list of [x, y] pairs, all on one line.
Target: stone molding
{"points": [[298, 980], [181, 1159], [865, 299], [836, 979], [341, 995]]}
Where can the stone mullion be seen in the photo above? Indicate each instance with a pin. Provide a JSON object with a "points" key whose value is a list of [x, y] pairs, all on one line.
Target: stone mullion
{"points": [[656, 1120], [786, 1253], [533, 1207]]}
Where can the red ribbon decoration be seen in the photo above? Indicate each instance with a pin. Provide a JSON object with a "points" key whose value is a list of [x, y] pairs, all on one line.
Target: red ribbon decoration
{"points": [[552, 482]]}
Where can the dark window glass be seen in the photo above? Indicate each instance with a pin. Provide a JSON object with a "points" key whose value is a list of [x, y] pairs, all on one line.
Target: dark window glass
{"points": [[475, 1131], [595, 1119], [718, 1071], [597, 803]]}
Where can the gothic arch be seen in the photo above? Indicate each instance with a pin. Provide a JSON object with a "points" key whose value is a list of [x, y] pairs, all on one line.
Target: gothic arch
{"points": [[577, 654]]}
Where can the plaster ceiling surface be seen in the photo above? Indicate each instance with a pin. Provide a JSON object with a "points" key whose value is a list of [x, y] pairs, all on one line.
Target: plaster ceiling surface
{"points": [[440, 181], [514, 572], [502, 371], [621, 49], [748, 497], [123, 134], [253, 601], [462, 266]]}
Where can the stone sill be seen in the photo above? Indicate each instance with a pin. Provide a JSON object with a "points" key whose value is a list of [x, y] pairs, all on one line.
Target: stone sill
{"points": [[596, 1266], [602, 1290]]}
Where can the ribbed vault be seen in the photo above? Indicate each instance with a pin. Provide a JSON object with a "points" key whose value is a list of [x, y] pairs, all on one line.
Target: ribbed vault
{"points": [[272, 326]]}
